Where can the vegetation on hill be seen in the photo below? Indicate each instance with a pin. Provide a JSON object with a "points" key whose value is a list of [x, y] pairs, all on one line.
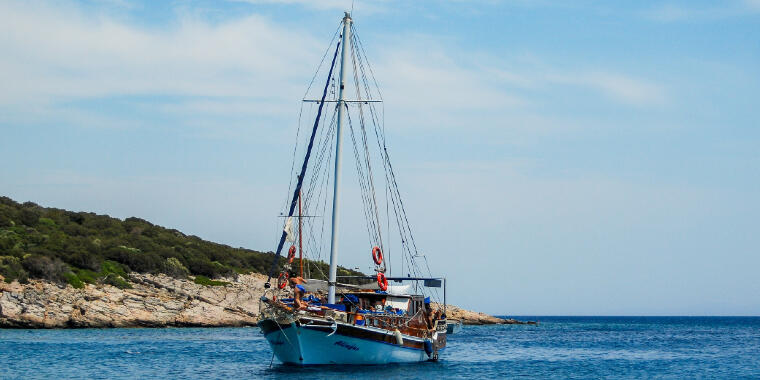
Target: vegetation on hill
{"points": [[81, 247]]}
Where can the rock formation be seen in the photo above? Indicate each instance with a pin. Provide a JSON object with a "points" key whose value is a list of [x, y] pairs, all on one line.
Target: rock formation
{"points": [[154, 301], [474, 318]]}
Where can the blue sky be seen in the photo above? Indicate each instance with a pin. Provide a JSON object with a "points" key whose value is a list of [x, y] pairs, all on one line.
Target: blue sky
{"points": [[557, 157]]}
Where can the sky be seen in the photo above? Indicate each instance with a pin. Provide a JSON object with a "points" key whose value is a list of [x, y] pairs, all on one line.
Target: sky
{"points": [[555, 157]]}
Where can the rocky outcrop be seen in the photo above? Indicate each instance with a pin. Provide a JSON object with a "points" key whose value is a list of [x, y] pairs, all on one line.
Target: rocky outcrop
{"points": [[474, 318], [154, 301]]}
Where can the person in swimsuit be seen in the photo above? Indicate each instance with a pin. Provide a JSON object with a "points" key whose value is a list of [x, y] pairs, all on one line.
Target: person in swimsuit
{"points": [[298, 291]]}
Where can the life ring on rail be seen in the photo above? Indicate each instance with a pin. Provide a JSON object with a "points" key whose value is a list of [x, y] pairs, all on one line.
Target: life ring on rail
{"points": [[291, 254], [377, 255], [382, 282], [283, 280]]}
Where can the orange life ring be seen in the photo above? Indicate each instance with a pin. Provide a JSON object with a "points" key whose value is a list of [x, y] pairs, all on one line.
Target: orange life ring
{"points": [[377, 255], [291, 254], [283, 280], [382, 282]]}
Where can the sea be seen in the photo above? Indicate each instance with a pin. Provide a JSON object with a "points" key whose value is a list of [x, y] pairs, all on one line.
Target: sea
{"points": [[559, 347]]}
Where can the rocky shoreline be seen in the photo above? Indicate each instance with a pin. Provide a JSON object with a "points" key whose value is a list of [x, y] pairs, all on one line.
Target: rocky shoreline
{"points": [[154, 301], [474, 318]]}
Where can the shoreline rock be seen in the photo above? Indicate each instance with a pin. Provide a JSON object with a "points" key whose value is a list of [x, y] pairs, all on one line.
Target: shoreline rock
{"points": [[474, 318], [154, 301]]}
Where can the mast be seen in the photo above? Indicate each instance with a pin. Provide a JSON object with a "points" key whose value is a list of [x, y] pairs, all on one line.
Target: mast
{"points": [[341, 115]]}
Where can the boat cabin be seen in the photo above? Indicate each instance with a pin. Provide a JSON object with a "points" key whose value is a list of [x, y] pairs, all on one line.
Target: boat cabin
{"points": [[373, 302]]}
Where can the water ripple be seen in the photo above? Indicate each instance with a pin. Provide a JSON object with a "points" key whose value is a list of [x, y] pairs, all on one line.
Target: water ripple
{"points": [[560, 347]]}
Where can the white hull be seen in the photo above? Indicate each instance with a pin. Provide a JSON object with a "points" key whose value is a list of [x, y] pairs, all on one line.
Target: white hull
{"points": [[296, 344], [453, 327]]}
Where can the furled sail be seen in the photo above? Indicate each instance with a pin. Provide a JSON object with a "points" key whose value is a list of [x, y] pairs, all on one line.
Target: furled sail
{"points": [[290, 235]]}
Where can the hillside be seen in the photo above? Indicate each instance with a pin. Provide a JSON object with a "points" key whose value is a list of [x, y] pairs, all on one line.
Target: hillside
{"points": [[81, 247]]}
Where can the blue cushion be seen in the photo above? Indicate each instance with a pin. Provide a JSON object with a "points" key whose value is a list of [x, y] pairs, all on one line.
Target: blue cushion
{"points": [[336, 306]]}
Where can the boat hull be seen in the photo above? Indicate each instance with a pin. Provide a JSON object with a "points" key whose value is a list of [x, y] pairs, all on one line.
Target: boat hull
{"points": [[453, 327], [299, 344]]}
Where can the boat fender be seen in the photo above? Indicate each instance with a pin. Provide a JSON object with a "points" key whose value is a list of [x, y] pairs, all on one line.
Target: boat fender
{"points": [[382, 282], [377, 255], [399, 337], [283, 280], [428, 346], [291, 254], [333, 326]]}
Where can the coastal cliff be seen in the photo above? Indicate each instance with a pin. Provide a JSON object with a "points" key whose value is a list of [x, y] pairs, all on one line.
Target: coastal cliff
{"points": [[62, 268], [153, 301]]}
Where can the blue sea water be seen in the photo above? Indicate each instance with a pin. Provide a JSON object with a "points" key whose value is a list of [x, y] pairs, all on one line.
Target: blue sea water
{"points": [[560, 347]]}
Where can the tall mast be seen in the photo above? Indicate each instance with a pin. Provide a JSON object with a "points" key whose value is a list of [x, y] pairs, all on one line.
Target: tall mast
{"points": [[341, 111]]}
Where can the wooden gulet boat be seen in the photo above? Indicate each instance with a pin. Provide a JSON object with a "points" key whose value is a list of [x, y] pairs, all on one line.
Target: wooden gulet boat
{"points": [[361, 319]]}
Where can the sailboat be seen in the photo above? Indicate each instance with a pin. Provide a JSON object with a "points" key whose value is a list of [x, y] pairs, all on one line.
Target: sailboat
{"points": [[352, 318]]}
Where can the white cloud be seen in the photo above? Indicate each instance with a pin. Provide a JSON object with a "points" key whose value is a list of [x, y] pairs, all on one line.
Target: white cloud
{"points": [[345, 5], [752, 4], [625, 89], [428, 88], [671, 12], [685, 13], [53, 54], [250, 67], [432, 85]]}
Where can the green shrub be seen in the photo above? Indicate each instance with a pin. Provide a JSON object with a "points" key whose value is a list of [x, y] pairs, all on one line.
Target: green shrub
{"points": [[117, 281], [113, 267], [203, 280], [137, 260], [47, 222], [29, 217], [114, 274], [175, 268], [84, 259], [98, 245], [87, 276], [73, 280], [11, 269], [5, 221], [52, 269], [209, 269], [9, 240]]}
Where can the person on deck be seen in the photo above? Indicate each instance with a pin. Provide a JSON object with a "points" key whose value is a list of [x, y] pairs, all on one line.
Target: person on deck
{"points": [[299, 291], [428, 314]]}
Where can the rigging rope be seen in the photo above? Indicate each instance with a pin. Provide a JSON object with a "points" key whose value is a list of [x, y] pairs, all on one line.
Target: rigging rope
{"points": [[315, 185], [303, 169], [300, 112]]}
